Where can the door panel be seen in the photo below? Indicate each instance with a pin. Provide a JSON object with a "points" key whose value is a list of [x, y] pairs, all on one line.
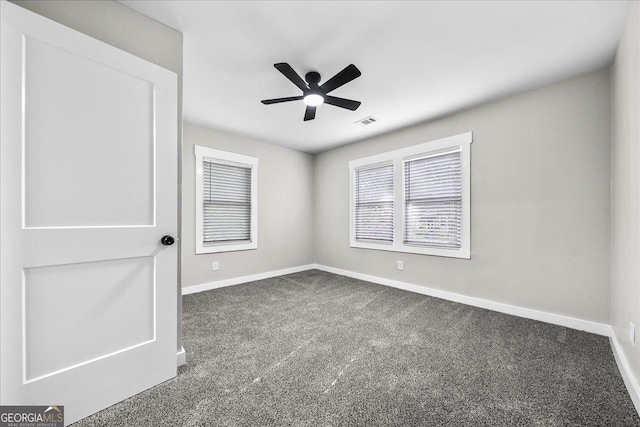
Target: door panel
{"points": [[85, 119], [65, 299], [88, 163]]}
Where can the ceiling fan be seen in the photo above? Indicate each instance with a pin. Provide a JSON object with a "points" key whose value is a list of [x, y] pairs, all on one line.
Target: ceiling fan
{"points": [[314, 94]]}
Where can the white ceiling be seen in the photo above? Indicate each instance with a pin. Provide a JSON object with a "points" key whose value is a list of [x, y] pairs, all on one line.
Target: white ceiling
{"points": [[419, 60]]}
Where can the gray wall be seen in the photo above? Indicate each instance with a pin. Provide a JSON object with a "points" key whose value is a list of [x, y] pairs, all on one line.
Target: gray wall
{"points": [[625, 189], [539, 202], [285, 209], [126, 29]]}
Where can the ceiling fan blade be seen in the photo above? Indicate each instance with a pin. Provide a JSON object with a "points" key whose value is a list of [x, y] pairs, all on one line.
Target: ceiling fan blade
{"points": [[289, 73], [309, 113], [278, 100], [349, 104], [345, 76]]}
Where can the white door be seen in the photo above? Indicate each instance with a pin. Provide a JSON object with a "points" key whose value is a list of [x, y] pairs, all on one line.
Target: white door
{"points": [[88, 150]]}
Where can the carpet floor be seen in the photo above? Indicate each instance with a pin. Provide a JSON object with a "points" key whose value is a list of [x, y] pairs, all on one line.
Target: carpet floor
{"points": [[318, 349]]}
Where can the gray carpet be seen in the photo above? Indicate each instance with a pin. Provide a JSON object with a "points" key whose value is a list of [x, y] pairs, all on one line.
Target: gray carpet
{"points": [[315, 348]]}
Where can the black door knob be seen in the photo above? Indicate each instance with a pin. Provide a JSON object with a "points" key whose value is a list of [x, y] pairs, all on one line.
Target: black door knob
{"points": [[167, 240]]}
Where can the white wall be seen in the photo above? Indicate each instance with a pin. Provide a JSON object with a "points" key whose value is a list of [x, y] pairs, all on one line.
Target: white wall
{"points": [[539, 203], [625, 189], [285, 209]]}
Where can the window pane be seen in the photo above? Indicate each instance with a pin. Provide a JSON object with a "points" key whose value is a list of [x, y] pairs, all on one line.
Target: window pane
{"points": [[433, 201], [374, 204], [226, 203]]}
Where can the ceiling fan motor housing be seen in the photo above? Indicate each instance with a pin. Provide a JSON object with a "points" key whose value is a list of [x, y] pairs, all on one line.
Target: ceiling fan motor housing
{"points": [[313, 78]]}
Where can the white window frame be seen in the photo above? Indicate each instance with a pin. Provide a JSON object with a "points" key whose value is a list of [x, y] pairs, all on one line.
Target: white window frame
{"points": [[461, 142], [224, 157]]}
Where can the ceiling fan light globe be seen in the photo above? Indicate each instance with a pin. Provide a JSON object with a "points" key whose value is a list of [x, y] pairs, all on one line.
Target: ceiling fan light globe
{"points": [[313, 100]]}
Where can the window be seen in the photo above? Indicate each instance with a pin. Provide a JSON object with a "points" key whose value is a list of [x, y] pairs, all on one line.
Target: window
{"points": [[226, 201], [433, 201], [374, 204], [426, 187]]}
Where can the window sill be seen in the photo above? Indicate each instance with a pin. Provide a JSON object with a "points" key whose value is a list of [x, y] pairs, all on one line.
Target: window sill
{"points": [[226, 248], [448, 253]]}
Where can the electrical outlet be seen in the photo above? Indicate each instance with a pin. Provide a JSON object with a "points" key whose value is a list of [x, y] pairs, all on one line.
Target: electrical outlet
{"points": [[632, 333], [400, 265], [214, 265]]}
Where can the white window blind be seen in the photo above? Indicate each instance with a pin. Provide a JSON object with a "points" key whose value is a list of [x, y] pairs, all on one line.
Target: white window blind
{"points": [[226, 203], [433, 201], [374, 204]]}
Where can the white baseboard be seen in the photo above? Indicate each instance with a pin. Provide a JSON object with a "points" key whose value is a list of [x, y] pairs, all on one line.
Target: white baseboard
{"points": [[556, 319], [625, 370], [244, 279], [182, 357]]}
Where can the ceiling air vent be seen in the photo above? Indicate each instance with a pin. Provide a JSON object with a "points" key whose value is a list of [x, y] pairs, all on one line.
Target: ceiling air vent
{"points": [[366, 121]]}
